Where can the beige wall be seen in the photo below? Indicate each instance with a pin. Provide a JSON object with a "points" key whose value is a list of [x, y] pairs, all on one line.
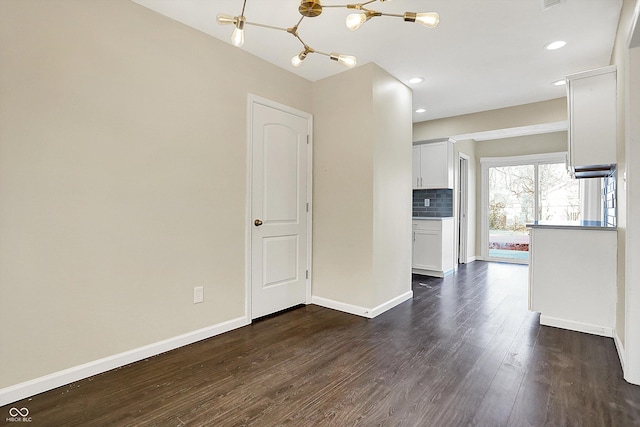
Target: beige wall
{"points": [[392, 194], [523, 145], [537, 113], [342, 191], [122, 179], [362, 187]]}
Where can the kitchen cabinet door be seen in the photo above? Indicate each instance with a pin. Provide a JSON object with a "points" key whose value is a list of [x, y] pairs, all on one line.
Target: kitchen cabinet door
{"points": [[591, 100], [427, 249], [433, 247], [417, 167], [433, 165]]}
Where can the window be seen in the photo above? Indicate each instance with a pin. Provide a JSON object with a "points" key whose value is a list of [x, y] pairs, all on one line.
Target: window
{"points": [[517, 191]]}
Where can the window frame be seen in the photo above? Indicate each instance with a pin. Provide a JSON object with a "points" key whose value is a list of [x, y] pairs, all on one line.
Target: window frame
{"points": [[485, 164]]}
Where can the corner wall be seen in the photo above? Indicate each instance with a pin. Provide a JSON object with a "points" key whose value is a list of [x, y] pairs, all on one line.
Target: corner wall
{"points": [[362, 191]]}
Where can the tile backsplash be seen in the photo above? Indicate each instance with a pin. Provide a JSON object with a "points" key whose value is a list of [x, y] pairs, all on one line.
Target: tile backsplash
{"points": [[608, 197], [440, 203]]}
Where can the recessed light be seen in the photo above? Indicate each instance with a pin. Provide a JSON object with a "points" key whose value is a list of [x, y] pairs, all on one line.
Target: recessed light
{"points": [[421, 110], [555, 45], [416, 80], [560, 82]]}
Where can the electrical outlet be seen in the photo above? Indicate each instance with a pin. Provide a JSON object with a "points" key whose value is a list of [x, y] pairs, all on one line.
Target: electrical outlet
{"points": [[427, 202], [198, 294]]}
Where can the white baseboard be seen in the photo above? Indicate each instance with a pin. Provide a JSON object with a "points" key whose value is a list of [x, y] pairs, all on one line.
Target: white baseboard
{"points": [[376, 311], [369, 313], [619, 348], [603, 331], [48, 382]]}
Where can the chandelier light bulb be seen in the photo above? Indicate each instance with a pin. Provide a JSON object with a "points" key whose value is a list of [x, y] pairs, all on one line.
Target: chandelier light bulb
{"points": [[346, 60], [296, 61], [428, 19], [225, 19], [355, 21], [237, 38]]}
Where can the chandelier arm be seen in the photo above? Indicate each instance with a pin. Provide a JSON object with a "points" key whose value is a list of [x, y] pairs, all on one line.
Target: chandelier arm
{"points": [[244, 4], [350, 5], [271, 27], [306, 46], [390, 14]]}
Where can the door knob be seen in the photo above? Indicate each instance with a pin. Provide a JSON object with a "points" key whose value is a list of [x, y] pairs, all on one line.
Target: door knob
{"points": [[257, 223]]}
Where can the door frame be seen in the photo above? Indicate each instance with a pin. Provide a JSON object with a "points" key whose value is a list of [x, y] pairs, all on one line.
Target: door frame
{"points": [[251, 101], [463, 207]]}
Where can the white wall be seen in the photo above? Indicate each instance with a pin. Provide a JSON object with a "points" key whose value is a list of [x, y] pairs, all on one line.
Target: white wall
{"points": [[122, 179], [632, 284], [626, 57]]}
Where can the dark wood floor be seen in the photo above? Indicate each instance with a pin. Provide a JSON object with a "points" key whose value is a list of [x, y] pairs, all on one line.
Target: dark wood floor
{"points": [[464, 351]]}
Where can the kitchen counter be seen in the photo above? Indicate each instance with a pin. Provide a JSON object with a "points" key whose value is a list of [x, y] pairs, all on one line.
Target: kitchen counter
{"points": [[587, 225], [431, 218], [572, 277]]}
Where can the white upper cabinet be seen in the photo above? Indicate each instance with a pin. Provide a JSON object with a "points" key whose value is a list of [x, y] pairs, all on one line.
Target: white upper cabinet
{"points": [[591, 100], [433, 165]]}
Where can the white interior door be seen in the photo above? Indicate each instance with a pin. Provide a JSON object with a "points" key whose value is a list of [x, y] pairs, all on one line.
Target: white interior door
{"points": [[279, 217]]}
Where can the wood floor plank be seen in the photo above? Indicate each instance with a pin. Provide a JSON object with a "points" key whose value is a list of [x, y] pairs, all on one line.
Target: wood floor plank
{"points": [[463, 351]]}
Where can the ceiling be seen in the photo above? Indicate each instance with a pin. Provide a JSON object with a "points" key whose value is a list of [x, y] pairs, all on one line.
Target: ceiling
{"points": [[484, 54]]}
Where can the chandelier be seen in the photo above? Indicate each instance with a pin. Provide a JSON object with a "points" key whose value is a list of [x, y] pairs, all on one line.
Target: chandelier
{"points": [[313, 8]]}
